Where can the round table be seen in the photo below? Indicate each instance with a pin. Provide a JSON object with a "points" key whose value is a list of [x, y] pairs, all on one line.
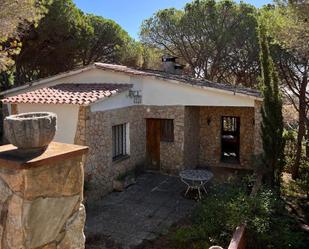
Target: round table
{"points": [[195, 179]]}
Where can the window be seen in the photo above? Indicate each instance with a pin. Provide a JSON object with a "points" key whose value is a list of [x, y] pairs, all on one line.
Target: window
{"points": [[230, 139], [167, 130], [120, 141], [229, 124]]}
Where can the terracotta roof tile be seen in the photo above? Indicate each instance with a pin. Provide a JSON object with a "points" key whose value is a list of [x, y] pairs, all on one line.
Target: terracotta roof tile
{"points": [[69, 93]]}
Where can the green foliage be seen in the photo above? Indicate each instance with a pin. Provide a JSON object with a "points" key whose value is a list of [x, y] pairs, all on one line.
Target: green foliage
{"points": [[66, 38], [287, 22], [15, 17], [303, 180], [272, 120], [216, 39], [229, 205], [51, 47], [103, 41]]}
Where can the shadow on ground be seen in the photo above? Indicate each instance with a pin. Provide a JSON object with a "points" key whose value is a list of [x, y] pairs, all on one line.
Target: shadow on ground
{"points": [[142, 212]]}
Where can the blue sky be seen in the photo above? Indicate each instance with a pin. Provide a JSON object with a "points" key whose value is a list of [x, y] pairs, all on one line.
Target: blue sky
{"points": [[130, 13]]}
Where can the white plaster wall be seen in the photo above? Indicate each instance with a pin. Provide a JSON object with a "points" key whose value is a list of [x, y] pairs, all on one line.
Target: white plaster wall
{"points": [[93, 75], [160, 92], [67, 116], [96, 76], [117, 101]]}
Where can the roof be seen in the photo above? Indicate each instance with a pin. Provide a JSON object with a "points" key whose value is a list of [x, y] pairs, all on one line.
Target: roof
{"points": [[181, 78], [74, 94], [202, 83]]}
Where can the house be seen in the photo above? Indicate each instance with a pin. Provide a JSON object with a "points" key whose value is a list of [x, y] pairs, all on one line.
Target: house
{"points": [[162, 120]]}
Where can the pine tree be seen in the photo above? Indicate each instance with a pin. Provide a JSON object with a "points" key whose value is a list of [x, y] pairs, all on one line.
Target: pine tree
{"points": [[272, 121]]}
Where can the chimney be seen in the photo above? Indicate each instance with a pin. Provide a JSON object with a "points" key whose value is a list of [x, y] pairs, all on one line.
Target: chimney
{"points": [[169, 65]]}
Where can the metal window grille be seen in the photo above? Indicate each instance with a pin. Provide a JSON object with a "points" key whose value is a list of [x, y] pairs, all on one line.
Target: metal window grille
{"points": [[119, 141], [167, 130]]}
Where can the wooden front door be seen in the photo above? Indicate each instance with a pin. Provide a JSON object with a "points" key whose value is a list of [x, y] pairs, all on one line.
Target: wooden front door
{"points": [[153, 144]]}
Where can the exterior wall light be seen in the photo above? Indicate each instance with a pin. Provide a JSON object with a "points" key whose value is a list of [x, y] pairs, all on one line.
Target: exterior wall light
{"points": [[137, 97]]}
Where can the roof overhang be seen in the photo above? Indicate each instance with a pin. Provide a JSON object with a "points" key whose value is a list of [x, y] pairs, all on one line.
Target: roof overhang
{"points": [[99, 66], [48, 79]]}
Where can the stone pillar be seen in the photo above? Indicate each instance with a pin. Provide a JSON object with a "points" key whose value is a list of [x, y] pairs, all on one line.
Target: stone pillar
{"points": [[41, 198]]}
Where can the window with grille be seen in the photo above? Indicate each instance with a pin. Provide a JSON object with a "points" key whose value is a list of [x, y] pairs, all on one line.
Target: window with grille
{"points": [[229, 124], [120, 141], [167, 130], [230, 139]]}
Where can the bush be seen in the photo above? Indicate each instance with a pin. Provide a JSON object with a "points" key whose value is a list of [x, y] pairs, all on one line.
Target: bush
{"points": [[229, 205], [303, 181]]}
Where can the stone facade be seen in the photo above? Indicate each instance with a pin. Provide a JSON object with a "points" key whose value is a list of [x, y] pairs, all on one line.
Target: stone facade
{"points": [[100, 169], [210, 135], [14, 109], [41, 200], [171, 153], [196, 143], [80, 135], [258, 145], [192, 137]]}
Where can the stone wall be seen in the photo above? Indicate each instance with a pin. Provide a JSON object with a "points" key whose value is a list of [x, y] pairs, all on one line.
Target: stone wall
{"points": [[41, 200], [80, 135], [192, 136], [195, 142], [210, 135], [171, 153], [14, 109], [258, 145], [100, 170]]}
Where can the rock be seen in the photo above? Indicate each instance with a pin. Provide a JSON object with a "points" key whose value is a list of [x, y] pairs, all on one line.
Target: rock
{"points": [[49, 246], [58, 179], [30, 130], [74, 237], [44, 218], [5, 191], [13, 237], [13, 178]]}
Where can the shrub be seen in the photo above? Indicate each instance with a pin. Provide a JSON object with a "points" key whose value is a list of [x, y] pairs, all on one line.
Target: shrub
{"points": [[229, 205]]}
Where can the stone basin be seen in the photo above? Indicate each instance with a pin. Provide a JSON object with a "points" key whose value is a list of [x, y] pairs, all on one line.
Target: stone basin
{"points": [[31, 131]]}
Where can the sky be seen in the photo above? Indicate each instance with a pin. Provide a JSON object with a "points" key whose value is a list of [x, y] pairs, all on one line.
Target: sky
{"points": [[129, 14]]}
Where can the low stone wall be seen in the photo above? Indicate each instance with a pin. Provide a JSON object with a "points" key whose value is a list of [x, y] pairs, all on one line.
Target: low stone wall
{"points": [[41, 198]]}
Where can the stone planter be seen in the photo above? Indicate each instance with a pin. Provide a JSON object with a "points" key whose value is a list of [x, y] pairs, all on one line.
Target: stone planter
{"points": [[30, 132], [121, 185]]}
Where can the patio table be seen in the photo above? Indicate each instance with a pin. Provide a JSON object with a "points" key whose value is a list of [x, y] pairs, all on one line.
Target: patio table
{"points": [[195, 179]]}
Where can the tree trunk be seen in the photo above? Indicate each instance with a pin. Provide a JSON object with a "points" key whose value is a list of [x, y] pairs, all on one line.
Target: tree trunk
{"points": [[307, 138], [301, 126]]}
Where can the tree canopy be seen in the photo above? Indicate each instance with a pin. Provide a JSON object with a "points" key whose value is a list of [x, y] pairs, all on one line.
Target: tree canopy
{"points": [[218, 40], [272, 121], [287, 22], [15, 16], [66, 38]]}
